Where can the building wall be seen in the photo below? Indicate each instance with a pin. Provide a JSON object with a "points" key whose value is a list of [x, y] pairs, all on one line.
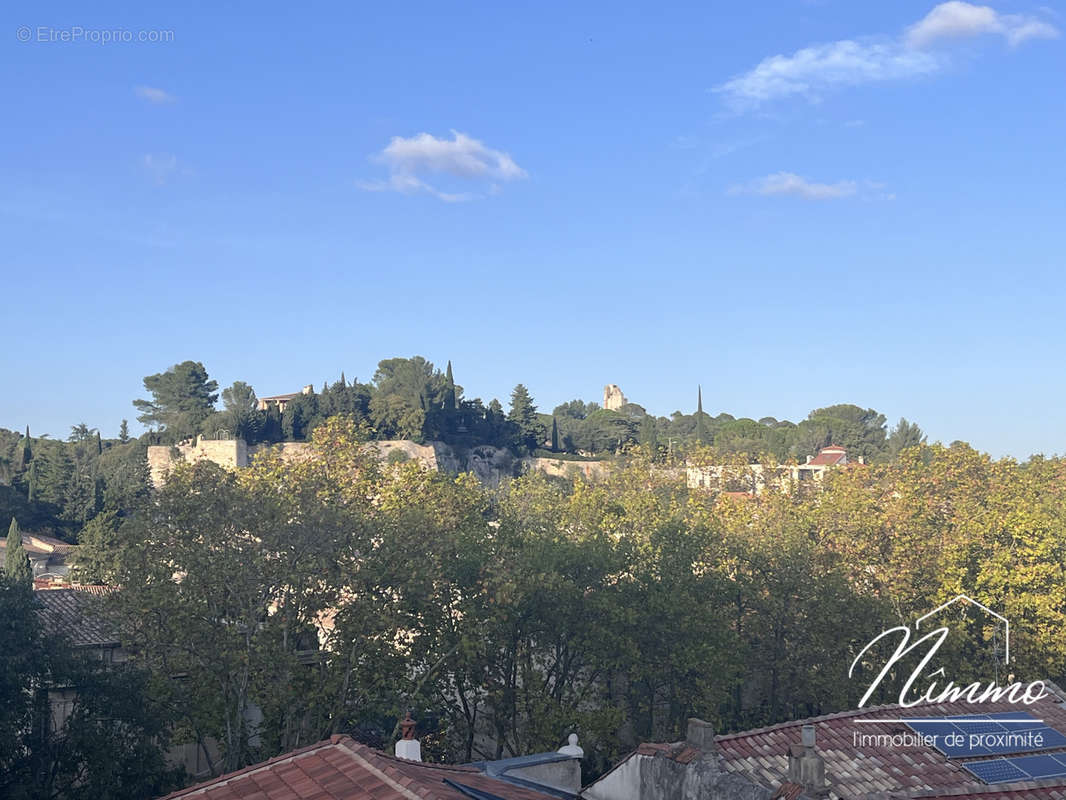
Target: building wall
{"points": [[642, 777]]}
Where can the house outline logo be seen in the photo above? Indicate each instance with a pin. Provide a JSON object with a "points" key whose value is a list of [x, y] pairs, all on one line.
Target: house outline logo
{"points": [[942, 691], [983, 607]]}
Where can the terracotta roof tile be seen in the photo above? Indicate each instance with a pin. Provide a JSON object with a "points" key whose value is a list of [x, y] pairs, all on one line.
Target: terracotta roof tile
{"points": [[342, 769], [858, 770]]}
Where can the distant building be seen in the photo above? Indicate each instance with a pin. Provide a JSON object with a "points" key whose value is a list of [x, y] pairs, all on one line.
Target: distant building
{"points": [[282, 400], [831, 456], [752, 479], [613, 399], [49, 557]]}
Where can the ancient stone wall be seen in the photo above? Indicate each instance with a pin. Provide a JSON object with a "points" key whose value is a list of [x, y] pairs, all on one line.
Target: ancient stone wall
{"points": [[490, 465], [613, 399]]}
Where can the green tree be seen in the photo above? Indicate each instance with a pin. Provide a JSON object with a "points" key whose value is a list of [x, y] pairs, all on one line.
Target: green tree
{"points": [[408, 400], [25, 451], [860, 431], [450, 400], [33, 482], [124, 432], [528, 430], [701, 428], [182, 398], [16, 562], [648, 434], [110, 742], [904, 435], [555, 435], [80, 433], [241, 415]]}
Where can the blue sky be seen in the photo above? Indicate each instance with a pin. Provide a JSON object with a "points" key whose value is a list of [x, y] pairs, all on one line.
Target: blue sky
{"points": [[792, 203]]}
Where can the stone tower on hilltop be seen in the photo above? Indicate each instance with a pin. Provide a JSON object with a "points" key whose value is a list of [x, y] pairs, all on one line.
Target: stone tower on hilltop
{"points": [[613, 399]]}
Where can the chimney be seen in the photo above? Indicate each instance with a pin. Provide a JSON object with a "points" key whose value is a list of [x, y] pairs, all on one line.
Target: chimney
{"points": [[408, 746], [806, 767], [700, 734]]}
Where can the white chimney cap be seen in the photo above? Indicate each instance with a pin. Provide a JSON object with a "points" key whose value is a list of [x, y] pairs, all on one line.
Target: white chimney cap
{"points": [[572, 749], [808, 736], [409, 749]]}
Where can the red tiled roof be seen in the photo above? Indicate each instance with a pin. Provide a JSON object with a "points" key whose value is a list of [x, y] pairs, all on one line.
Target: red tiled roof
{"points": [[342, 769], [828, 456], [857, 770]]}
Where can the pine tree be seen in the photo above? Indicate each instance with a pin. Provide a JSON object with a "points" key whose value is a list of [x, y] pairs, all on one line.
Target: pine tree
{"points": [[16, 562], [124, 432], [701, 433], [555, 435]]}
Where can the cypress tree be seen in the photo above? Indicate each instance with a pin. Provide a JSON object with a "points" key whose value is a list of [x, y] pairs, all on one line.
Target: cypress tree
{"points": [[16, 562], [701, 433], [27, 451], [99, 444], [555, 436], [124, 432], [31, 483], [449, 396]]}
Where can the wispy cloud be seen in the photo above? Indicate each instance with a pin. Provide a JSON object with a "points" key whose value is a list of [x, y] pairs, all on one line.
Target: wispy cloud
{"points": [[959, 20], [791, 184], [160, 166], [409, 184], [461, 157], [814, 71], [154, 95]]}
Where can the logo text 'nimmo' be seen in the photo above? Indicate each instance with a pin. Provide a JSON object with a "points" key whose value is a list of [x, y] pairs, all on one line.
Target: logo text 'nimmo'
{"points": [[950, 692]]}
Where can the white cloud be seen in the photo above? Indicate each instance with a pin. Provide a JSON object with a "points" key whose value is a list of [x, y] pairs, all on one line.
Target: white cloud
{"points": [[815, 70], [153, 95], [791, 184], [959, 20], [160, 165], [409, 184], [461, 157]]}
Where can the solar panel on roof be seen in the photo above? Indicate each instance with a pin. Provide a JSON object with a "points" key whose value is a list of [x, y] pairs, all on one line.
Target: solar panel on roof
{"points": [[999, 733], [998, 770], [1039, 766]]}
